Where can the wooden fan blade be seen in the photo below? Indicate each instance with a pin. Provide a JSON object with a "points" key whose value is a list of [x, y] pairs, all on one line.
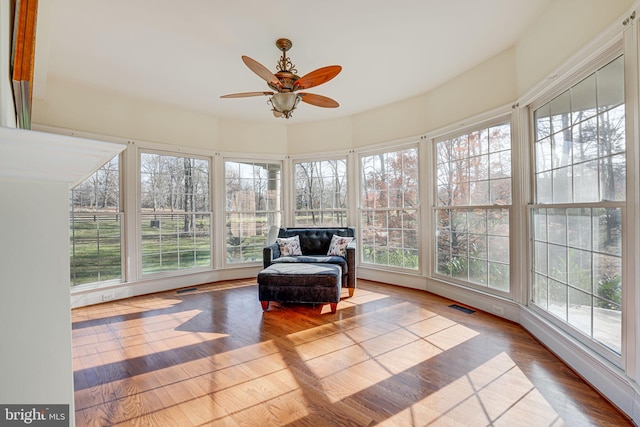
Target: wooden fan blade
{"points": [[317, 77], [261, 71], [318, 100], [246, 94]]}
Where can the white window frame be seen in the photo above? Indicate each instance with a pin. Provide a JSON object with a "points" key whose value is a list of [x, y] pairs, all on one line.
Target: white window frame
{"points": [[121, 215], [293, 183], [585, 69], [487, 120], [279, 212], [180, 153], [395, 146]]}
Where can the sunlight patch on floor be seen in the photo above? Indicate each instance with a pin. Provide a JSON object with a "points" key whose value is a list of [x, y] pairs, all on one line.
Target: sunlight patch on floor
{"points": [[311, 334], [452, 336], [257, 391], [360, 376], [244, 354], [361, 296], [281, 410], [178, 339], [408, 356], [262, 387], [387, 342], [495, 393], [325, 345], [372, 329], [431, 325], [336, 361]]}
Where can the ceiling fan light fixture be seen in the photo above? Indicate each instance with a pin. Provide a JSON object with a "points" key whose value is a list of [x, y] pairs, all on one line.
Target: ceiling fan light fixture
{"points": [[285, 82], [284, 103]]}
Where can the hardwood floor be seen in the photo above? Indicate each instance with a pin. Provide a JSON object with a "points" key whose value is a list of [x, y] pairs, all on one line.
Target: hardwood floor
{"points": [[390, 356]]}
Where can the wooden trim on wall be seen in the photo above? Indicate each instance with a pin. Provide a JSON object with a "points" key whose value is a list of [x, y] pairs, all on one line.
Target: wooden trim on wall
{"points": [[23, 54]]}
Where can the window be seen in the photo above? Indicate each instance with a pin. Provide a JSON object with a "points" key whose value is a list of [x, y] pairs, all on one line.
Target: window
{"points": [[580, 192], [473, 203], [252, 209], [389, 209], [175, 213], [95, 227], [321, 193]]}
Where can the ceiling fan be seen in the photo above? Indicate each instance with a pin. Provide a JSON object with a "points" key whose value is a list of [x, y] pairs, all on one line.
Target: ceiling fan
{"points": [[286, 83]]}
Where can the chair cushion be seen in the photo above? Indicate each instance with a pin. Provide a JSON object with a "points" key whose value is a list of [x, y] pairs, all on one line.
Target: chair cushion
{"points": [[338, 260]]}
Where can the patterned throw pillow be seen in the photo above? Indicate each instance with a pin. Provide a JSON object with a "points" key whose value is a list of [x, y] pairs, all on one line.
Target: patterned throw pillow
{"points": [[289, 246], [338, 246]]}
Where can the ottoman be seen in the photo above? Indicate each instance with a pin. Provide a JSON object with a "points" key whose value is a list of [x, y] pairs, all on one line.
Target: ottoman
{"points": [[300, 283]]}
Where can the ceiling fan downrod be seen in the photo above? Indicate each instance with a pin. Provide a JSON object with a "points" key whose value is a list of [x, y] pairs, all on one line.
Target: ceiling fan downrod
{"points": [[285, 64]]}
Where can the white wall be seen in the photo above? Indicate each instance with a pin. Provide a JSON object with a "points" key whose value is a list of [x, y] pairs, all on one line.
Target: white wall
{"points": [[487, 86], [563, 29], [328, 135], [91, 109], [247, 137], [36, 170], [94, 110], [35, 313]]}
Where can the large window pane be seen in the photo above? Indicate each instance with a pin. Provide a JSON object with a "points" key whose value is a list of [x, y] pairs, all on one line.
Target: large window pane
{"points": [[321, 193], [583, 144], [175, 214], [575, 267], [252, 208], [95, 227], [577, 257], [472, 214], [579, 311], [389, 215]]}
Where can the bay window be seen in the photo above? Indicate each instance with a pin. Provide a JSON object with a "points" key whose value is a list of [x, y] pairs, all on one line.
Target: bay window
{"points": [[580, 194]]}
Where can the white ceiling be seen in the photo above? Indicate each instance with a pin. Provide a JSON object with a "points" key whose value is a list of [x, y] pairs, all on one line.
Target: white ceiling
{"points": [[188, 52]]}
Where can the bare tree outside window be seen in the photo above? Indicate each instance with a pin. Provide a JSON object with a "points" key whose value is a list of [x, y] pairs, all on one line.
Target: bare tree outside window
{"points": [[473, 197], [321, 193], [389, 209], [175, 213]]}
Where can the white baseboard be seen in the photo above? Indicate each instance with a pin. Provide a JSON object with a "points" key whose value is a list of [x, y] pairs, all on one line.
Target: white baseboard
{"points": [[608, 379]]}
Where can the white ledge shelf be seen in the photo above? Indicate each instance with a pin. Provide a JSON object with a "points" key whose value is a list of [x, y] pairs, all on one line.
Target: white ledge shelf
{"points": [[29, 154]]}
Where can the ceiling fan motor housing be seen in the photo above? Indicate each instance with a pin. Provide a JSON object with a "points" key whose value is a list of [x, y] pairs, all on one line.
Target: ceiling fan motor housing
{"points": [[287, 81]]}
